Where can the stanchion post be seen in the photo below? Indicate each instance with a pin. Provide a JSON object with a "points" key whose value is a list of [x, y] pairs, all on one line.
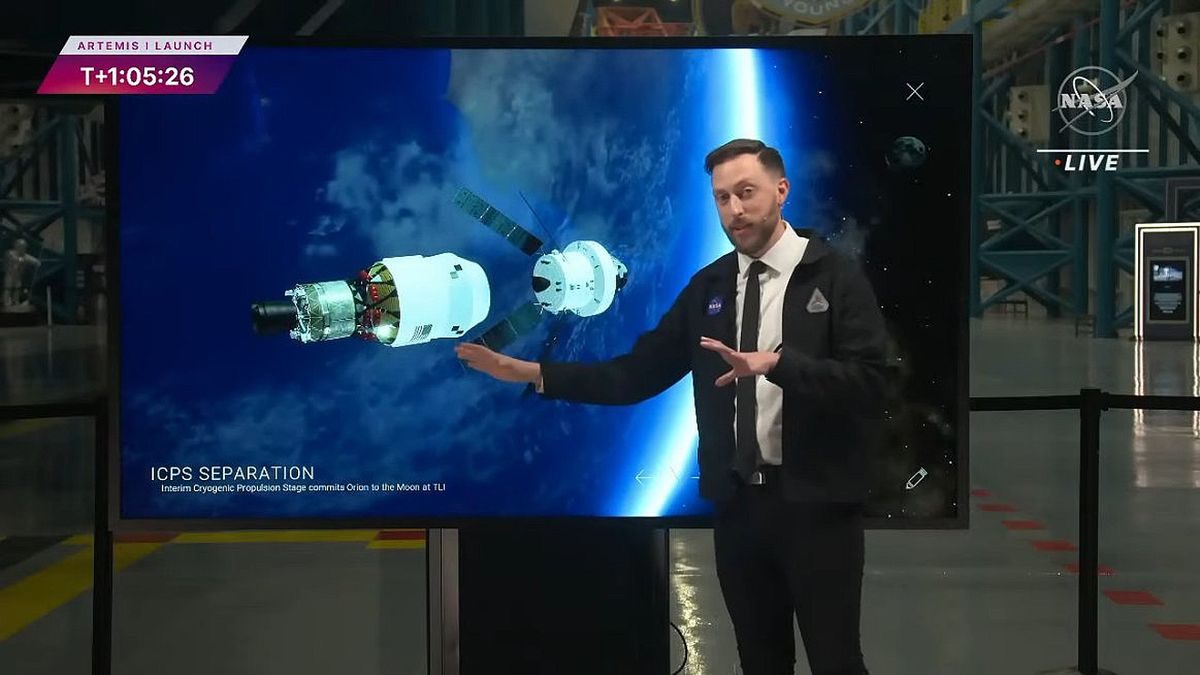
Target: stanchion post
{"points": [[102, 553], [1091, 405]]}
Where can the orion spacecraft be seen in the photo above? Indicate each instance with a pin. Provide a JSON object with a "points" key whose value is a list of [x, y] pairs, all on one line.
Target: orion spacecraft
{"points": [[414, 299]]}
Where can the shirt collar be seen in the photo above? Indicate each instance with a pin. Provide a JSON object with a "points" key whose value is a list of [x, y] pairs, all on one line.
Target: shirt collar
{"points": [[784, 254]]}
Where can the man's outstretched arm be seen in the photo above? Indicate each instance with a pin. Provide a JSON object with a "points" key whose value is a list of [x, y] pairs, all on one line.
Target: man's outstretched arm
{"points": [[659, 359], [499, 366]]}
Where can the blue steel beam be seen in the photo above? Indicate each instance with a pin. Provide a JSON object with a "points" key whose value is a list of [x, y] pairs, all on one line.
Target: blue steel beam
{"points": [[1058, 192], [1125, 317], [977, 165], [880, 12], [1080, 48], [1185, 171], [28, 153], [1021, 265], [30, 231], [28, 218], [1034, 196], [1187, 109], [1140, 20], [1189, 209], [1023, 224], [1149, 78], [981, 10], [1042, 296], [1025, 282], [1055, 68], [1145, 195], [1143, 107], [1026, 160], [68, 181], [1000, 82], [1106, 208]]}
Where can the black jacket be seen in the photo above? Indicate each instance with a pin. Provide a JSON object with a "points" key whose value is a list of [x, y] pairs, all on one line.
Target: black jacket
{"points": [[831, 370]]}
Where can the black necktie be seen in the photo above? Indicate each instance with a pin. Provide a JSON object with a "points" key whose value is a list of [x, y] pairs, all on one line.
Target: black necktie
{"points": [[747, 429]]}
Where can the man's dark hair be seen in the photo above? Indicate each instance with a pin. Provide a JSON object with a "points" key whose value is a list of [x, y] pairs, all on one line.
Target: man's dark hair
{"points": [[768, 156]]}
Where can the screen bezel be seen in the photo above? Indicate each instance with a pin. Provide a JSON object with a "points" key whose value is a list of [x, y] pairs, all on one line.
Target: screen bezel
{"points": [[117, 523]]}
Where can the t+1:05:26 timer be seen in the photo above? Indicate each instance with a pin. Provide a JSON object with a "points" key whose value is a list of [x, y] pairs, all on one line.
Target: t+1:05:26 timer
{"points": [[147, 76]]}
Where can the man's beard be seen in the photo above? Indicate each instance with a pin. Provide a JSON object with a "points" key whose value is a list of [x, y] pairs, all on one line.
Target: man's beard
{"points": [[762, 230]]}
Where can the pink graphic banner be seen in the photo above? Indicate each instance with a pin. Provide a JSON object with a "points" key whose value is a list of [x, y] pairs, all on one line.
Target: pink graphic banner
{"points": [[142, 65]]}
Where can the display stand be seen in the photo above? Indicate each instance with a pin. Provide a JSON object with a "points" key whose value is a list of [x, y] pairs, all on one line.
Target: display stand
{"points": [[549, 598], [102, 561], [1165, 287]]}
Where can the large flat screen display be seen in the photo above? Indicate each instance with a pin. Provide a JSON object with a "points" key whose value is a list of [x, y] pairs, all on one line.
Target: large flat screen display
{"points": [[300, 252]]}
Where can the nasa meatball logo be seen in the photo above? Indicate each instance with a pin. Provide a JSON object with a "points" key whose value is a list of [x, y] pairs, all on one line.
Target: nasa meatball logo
{"points": [[714, 305], [1091, 100]]}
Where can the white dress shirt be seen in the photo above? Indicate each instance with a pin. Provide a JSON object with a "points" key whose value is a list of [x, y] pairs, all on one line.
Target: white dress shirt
{"points": [[781, 259]]}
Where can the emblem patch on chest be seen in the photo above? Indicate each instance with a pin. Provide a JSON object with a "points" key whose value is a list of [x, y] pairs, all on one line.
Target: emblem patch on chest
{"points": [[817, 303], [715, 304]]}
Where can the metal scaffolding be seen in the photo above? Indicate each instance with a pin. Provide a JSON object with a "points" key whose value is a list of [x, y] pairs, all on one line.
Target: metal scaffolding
{"points": [[1062, 240], [883, 17], [1030, 224], [51, 186]]}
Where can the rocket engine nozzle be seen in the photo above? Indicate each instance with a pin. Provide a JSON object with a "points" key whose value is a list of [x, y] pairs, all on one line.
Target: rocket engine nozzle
{"points": [[271, 317]]}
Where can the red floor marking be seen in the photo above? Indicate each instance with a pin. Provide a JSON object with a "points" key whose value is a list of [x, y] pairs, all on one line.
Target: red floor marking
{"points": [[143, 537], [411, 535], [998, 508], [1102, 570], [981, 493], [1133, 598], [1023, 525], [1054, 545], [1177, 631]]}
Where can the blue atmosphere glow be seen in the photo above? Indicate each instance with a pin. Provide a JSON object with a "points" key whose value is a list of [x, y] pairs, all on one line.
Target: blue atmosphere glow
{"points": [[676, 462]]}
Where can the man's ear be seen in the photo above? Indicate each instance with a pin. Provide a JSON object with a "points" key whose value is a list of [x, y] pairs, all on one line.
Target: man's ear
{"points": [[784, 187]]}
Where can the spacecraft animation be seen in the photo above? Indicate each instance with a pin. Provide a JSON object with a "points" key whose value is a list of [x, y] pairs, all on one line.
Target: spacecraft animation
{"points": [[411, 300], [584, 278], [397, 302]]}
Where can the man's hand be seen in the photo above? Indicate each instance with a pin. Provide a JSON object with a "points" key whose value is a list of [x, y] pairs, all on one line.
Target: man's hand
{"points": [[744, 364], [499, 366]]}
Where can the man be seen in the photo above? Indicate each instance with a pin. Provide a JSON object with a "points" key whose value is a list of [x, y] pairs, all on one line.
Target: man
{"points": [[785, 342]]}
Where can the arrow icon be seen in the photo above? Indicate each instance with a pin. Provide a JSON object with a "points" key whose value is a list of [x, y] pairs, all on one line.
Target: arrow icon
{"points": [[642, 476]]}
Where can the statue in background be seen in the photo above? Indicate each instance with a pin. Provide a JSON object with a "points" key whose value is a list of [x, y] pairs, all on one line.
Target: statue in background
{"points": [[19, 268]]}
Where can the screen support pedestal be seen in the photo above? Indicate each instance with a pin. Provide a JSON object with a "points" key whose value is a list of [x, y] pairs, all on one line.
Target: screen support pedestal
{"points": [[555, 598]]}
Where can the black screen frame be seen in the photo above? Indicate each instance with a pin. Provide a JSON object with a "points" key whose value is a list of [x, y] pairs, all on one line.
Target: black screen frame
{"points": [[962, 43]]}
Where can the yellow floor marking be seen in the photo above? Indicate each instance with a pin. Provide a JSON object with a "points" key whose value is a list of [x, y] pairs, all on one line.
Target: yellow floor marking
{"points": [[44, 591], [398, 543], [275, 536], [21, 427]]}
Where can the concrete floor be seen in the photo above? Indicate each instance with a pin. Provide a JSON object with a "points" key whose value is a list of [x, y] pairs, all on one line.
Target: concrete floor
{"points": [[984, 600]]}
